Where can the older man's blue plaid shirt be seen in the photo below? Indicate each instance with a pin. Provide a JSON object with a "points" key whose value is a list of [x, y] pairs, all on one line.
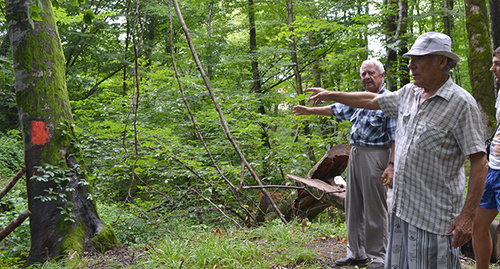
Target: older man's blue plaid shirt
{"points": [[369, 127]]}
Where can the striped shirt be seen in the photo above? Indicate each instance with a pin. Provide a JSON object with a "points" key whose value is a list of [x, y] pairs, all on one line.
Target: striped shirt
{"points": [[432, 143], [369, 127]]}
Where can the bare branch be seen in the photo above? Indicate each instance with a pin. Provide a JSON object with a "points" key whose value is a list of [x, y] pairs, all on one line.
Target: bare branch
{"points": [[12, 183], [219, 110], [14, 224]]}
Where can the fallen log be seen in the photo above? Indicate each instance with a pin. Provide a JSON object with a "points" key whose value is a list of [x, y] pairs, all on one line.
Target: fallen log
{"points": [[332, 164], [320, 183], [327, 193]]}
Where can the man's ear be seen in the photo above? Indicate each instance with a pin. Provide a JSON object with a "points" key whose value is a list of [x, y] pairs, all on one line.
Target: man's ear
{"points": [[443, 60]]}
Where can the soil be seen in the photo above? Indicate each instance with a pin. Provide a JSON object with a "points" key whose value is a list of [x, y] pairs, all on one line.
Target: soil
{"points": [[332, 249], [329, 250]]}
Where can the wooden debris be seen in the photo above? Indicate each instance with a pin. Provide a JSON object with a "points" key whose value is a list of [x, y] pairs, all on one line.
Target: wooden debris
{"points": [[320, 190]]}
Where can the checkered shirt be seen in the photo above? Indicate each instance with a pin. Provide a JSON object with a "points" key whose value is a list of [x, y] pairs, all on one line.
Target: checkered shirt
{"points": [[369, 127], [432, 142]]}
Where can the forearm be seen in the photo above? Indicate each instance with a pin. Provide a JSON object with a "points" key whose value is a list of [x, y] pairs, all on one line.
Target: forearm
{"points": [[322, 111], [304, 110], [477, 176], [462, 225], [366, 100]]}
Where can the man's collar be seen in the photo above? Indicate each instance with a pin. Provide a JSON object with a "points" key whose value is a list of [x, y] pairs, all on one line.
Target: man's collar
{"points": [[444, 91]]}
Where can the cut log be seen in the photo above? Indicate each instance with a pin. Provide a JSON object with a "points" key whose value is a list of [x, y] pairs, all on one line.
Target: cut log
{"points": [[321, 191], [333, 163], [333, 195]]}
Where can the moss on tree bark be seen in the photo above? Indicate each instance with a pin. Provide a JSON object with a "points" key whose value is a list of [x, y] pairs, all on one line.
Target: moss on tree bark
{"points": [[63, 217]]}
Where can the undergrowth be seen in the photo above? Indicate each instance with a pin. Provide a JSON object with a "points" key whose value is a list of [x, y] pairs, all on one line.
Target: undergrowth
{"points": [[272, 245]]}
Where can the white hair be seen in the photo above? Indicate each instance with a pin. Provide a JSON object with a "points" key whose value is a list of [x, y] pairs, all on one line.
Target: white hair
{"points": [[375, 63]]}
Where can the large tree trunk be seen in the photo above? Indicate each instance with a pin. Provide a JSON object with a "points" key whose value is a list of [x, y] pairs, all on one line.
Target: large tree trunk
{"points": [[63, 218], [480, 57]]}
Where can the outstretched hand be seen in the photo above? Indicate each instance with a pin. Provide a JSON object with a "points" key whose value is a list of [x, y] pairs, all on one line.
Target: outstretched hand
{"points": [[318, 94], [301, 110]]}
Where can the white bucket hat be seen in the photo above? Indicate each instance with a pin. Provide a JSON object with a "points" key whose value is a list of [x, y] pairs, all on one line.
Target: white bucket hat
{"points": [[433, 43]]}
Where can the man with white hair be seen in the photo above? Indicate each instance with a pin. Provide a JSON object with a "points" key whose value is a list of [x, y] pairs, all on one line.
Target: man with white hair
{"points": [[370, 161], [438, 127]]}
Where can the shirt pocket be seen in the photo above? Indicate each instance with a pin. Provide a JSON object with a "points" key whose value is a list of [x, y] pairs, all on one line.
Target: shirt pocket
{"points": [[375, 126], [430, 136]]}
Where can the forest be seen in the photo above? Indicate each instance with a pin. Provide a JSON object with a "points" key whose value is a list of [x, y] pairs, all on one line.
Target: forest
{"points": [[137, 122]]}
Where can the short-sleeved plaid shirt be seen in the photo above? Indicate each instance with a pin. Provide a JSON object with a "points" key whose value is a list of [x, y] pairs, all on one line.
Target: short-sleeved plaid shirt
{"points": [[369, 127], [432, 142]]}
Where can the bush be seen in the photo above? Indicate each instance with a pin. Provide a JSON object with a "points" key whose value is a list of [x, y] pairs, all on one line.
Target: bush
{"points": [[11, 153]]}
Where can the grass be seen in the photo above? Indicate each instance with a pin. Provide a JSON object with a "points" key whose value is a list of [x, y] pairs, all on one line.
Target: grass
{"points": [[274, 245]]}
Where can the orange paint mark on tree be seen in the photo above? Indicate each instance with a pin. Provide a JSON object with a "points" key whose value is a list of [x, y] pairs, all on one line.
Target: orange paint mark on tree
{"points": [[39, 133]]}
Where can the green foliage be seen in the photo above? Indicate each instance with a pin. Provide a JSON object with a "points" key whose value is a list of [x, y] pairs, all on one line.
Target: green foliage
{"points": [[14, 248], [11, 153], [145, 160]]}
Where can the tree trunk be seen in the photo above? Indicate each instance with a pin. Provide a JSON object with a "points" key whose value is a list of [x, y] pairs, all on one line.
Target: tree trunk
{"points": [[296, 72], [392, 57], [495, 26], [495, 22], [63, 218], [480, 57], [210, 43], [447, 19], [257, 85], [397, 73]]}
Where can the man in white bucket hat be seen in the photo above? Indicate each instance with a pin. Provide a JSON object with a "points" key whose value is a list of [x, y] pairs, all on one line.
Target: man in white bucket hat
{"points": [[439, 126]]}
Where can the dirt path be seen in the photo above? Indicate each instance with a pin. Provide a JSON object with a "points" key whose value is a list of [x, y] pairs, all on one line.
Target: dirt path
{"points": [[331, 249]]}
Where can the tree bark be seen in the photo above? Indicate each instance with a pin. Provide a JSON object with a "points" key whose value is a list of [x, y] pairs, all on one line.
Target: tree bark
{"points": [[392, 57], [63, 217], [447, 19], [495, 22], [495, 26], [480, 57], [397, 73]]}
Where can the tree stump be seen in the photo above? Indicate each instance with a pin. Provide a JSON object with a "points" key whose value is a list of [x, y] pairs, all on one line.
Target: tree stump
{"points": [[321, 190]]}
